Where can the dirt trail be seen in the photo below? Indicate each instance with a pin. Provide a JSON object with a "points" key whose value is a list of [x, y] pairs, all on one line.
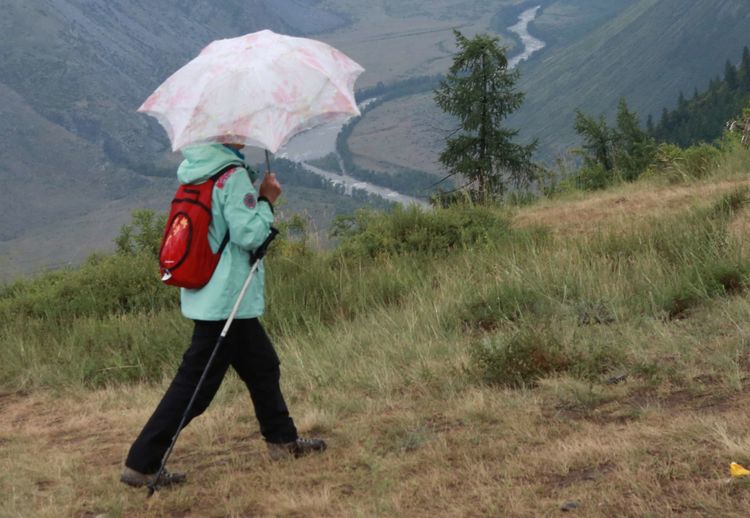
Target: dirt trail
{"points": [[77, 444]]}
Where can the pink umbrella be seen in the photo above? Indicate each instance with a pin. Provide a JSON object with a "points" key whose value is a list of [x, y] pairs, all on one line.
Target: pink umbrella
{"points": [[259, 89]]}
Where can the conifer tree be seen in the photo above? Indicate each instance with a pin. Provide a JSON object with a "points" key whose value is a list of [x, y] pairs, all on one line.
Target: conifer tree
{"points": [[681, 102], [633, 148], [597, 141], [625, 149], [703, 117], [730, 76], [745, 69], [480, 91]]}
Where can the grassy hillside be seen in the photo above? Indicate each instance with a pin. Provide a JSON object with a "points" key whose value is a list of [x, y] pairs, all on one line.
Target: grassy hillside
{"points": [[587, 349]]}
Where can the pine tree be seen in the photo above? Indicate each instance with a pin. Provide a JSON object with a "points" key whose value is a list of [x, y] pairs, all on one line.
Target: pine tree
{"points": [[633, 148], [597, 141], [730, 76], [744, 71], [703, 117], [480, 92]]}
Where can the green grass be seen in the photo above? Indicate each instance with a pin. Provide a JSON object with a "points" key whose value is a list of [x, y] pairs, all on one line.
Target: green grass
{"points": [[488, 367], [529, 305]]}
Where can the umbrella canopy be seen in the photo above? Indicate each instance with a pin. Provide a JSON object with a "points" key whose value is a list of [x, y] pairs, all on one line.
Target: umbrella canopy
{"points": [[259, 89]]}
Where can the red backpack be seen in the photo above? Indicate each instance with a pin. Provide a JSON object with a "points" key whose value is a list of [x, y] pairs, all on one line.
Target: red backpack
{"points": [[185, 257]]}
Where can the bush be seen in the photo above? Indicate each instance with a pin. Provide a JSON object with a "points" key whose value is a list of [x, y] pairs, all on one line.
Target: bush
{"points": [[143, 234], [678, 165], [594, 177], [498, 305], [700, 161], [540, 348], [412, 230], [700, 282], [102, 286], [521, 358]]}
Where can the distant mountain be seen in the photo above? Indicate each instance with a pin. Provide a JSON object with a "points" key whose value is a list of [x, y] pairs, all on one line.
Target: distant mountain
{"points": [[75, 158], [647, 53], [86, 66], [702, 118], [72, 73]]}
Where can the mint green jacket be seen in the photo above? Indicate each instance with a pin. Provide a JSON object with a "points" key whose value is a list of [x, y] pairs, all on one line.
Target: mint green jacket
{"points": [[235, 208]]}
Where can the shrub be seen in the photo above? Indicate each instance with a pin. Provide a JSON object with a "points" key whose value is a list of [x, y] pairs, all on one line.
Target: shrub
{"points": [[142, 235], [595, 177], [665, 163], [699, 161], [702, 281], [501, 303], [521, 358], [540, 348], [103, 285], [678, 165], [412, 230]]}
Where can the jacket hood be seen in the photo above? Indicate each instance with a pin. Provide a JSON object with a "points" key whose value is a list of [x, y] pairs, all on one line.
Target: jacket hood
{"points": [[205, 160]]}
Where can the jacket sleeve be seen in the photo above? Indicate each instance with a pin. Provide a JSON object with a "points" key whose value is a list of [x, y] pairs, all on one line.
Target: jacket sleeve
{"points": [[248, 219]]}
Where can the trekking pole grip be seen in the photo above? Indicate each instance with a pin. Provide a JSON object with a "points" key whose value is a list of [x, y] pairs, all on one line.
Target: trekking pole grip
{"points": [[260, 252]]}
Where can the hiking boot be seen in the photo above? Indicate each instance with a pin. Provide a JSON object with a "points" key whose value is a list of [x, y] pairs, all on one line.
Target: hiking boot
{"points": [[134, 478], [296, 449]]}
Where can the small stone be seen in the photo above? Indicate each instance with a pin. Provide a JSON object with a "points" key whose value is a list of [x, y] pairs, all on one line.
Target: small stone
{"points": [[615, 380], [570, 506]]}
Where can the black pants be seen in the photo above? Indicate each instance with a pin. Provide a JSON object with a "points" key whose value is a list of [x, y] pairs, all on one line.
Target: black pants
{"points": [[249, 351]]}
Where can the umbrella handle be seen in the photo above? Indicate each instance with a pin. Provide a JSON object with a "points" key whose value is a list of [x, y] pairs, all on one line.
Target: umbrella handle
{"points": [[268, 162]]}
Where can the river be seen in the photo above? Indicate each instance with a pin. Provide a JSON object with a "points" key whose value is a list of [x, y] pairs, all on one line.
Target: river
{"points": [[322, 141], [531, 44], [350, 184]]}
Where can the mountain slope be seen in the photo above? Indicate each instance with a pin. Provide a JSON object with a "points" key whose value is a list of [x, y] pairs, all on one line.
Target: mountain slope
{"points": [[72, 73], [48, 172], [86, 66], [648, 53], [704, 116]]}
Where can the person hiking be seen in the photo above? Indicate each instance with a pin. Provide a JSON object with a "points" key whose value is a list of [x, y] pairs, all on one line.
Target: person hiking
{"points": [[247, 217]]}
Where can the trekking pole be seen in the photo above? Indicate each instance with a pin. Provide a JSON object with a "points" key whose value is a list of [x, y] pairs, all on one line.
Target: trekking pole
{"points": [[255, 258]]}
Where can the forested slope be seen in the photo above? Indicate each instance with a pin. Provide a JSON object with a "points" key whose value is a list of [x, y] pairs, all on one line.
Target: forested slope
{"points": [[647, 54]]}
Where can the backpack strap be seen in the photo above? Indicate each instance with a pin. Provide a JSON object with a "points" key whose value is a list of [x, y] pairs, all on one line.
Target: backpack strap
{"points": [[214, 179], [224, 242], [226, 169]]}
